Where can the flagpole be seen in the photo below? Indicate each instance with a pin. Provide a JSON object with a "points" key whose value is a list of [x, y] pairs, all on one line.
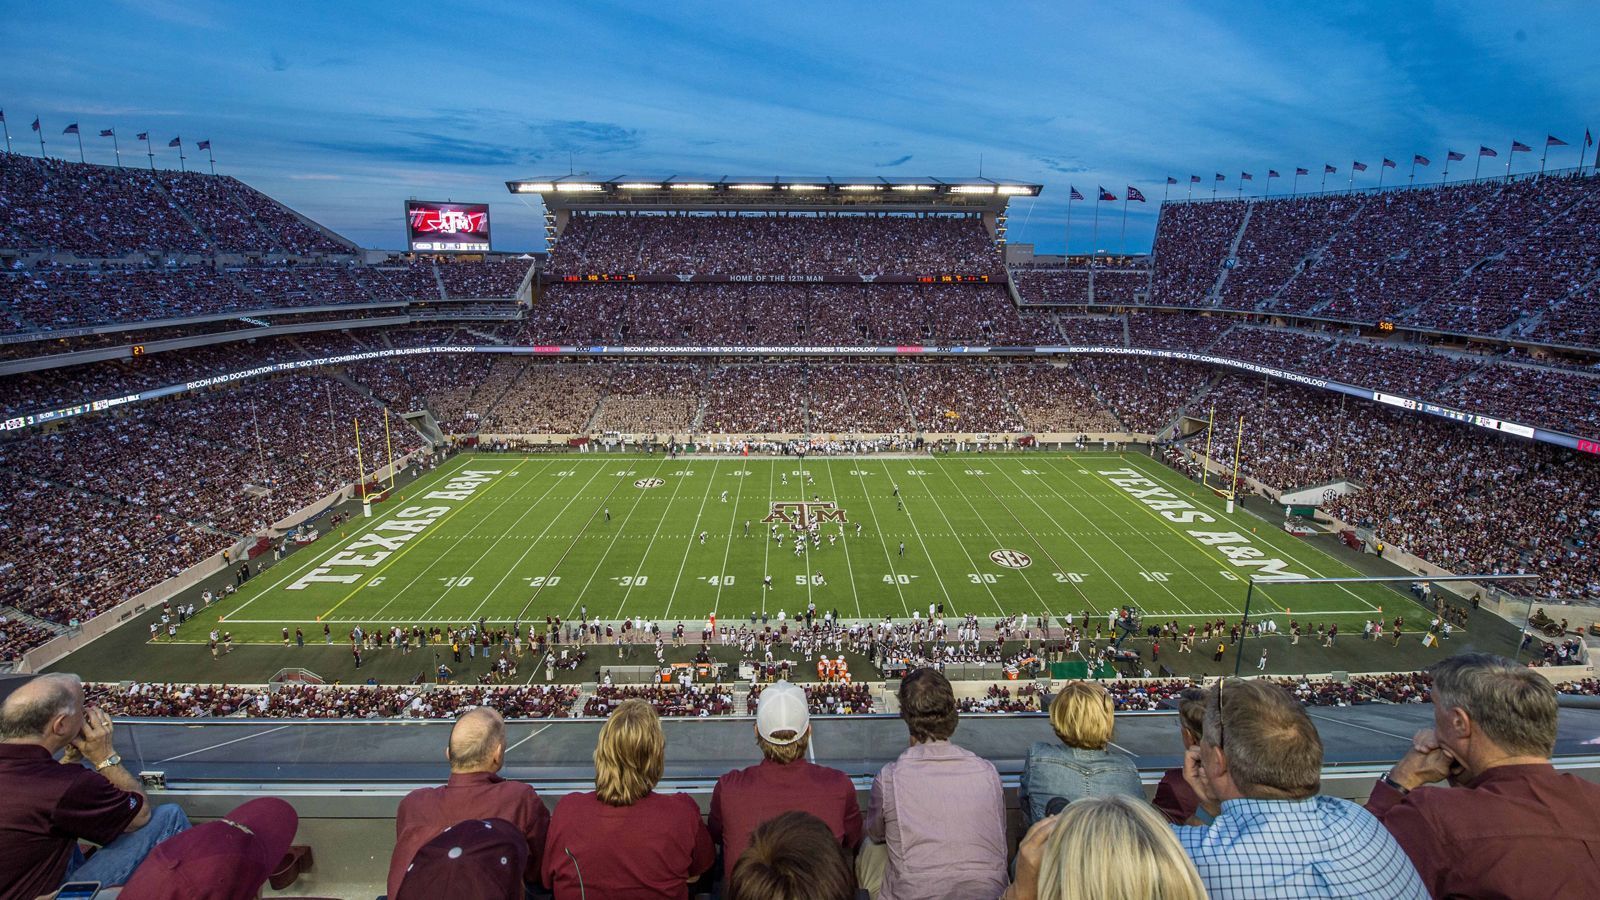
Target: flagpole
{"points": [[7, 126], [1122, 240], [150, 151], [1381, 167], [1094, 244], [1294, 189], [39, 128], [1543, 155], [1479, 167], [1269, 185], [1510, 156], [1324, 179], [1352, 185], [1411, 179], [213, 159], [181, 167], [1068, 244], [1168, 189], [79, 135], [116, 148]]}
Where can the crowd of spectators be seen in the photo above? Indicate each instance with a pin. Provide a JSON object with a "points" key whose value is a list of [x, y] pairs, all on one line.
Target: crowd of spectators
{"points": [[322, 701], [497, 278], [1054, 399], [18, 637], [671, 700], [1144, 397], [1176, 331]]}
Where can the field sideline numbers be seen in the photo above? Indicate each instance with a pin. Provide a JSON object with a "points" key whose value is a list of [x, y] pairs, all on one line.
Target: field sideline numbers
{"points": [[632, 580], [1155, 576], [975, 472], [457, 581], [564, 473], [623, 473], [983, 577], [683, 473], [918, 472], [801, 580], [898, 579], [1073, 577], [542, 581], [376, 581], [718, 580]]}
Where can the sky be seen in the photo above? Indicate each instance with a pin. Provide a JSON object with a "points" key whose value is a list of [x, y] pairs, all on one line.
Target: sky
{"points": [[344, 110]]}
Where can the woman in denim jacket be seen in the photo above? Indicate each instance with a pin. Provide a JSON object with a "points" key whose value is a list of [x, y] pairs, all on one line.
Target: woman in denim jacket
{"points": [[1079, 766]]}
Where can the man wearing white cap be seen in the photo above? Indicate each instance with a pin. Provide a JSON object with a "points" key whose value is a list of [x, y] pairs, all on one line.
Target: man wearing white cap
{"points": [[782, 782]]}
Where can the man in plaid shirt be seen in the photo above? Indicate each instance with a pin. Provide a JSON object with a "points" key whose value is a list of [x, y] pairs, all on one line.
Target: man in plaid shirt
{"points": [[1257, 770]]}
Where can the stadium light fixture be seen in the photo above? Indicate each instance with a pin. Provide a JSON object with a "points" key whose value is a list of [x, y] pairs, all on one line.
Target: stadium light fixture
{"points": [[858, 187], [574, 187], [802, 187], [971, 189], [750, 187], [535, 187], [912, 187], [639, 186], [1013, 189], [688, 186]]}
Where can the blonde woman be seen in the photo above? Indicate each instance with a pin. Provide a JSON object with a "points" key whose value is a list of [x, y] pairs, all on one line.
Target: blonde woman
{"points": [[623, 839], [1104, 848], [1080, 765]]}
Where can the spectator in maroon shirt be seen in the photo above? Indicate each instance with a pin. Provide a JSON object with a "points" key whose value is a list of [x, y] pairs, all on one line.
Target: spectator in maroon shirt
{"points": [[1512, 826], [624, 841], [475, 791], [795, 856], [783, 781], [1174, 797], [50, 807]]}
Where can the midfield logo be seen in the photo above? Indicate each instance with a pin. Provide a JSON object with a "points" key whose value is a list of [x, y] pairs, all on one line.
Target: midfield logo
{"points": [[799, 515]]}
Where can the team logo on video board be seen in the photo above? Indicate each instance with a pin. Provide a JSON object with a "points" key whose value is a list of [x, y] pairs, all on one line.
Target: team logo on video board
{"points": [[1011, 559], [799, 515]]}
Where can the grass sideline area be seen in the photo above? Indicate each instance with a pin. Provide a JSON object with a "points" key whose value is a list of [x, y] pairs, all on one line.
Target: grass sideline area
{"points": [[509, 538]]}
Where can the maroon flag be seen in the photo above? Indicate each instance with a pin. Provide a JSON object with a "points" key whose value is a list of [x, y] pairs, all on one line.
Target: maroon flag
{"points": [[1419, 160], [1075, 195], [70, 129], [142, 136], [1171, 180], [1134, 194], [175, 142], [203, 145], [1388, 163], [1587, 140], [1329, 170], [1194, 179], [1300, 171], [1520, 147], [35, 123], [1273, 173], [1486, 151], [1553, 141], [107, 132], [1359, 166], [1245, 176], [1452, 156], [1106, 195]]}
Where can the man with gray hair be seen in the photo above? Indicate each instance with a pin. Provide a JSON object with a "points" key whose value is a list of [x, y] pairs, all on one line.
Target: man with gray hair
{"points": [[1257, 770], [1512, 825], [475, 790], [49, 806]]}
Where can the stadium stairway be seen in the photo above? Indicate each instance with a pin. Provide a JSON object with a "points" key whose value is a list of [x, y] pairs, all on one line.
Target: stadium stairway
{"points": [[438, 279], [15, 614], [1215, 295]]}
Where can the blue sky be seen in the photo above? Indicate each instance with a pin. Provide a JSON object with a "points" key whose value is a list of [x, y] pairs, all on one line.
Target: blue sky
{"points": [[343, 110]]}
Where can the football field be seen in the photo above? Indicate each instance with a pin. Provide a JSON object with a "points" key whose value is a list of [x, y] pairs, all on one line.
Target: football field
{"points": [[510, 538]]}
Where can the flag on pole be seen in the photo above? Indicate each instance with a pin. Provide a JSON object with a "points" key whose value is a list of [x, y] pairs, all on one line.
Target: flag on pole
{"points": [[3, 116], [1245, 176], [1358, 166], [1300, 171], [1587, 140], [1520, 147], [1221, 177], [70, 129], [142, 136], [175, 142], [1452, 156], [1486, 151], [1329, 170], [35, 123], [1553, 141], [1075, 195], [1388, 163], [1419, 160], [1171, 180], [1106, 195], [1273, 173], [108, 132], [1135, 194], [203, 145], [1194, 179]]}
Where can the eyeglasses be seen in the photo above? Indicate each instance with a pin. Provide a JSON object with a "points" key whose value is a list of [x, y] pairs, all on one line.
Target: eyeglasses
{"points": [[1220, 715]]}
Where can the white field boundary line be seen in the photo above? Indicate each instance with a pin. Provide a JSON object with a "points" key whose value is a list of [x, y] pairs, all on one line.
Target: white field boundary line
{"points": [[516, 492], [883, 541], [336, 545], [733, 522], [940, 465], [922, 480], [833, 486], [694, 532], [1274, 544], [621, 526], [533, 543]]}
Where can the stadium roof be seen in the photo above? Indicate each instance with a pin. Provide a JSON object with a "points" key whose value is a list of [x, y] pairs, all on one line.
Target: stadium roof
{"points": [[585, 191]]}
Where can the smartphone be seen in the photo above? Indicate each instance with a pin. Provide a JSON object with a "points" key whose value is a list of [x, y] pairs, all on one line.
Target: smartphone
{"points": [[78, 890]]}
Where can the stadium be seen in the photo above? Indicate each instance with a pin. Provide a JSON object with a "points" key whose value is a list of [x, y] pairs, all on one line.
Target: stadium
{"points": [[301, 513]]}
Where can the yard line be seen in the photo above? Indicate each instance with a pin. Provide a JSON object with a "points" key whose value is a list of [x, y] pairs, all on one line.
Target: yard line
{"points": [[711, 484], [600, 465], [884, 542], [531, 735], [1115, 543], [833, 486], [1347, 569], [617, 534], [1193, 573], [1202, 615], [1025, 531], [334, 546], [224, 744], [716, 603], [923, 480], [766, 552], [515, 493], [939, 464], [402, 551]]}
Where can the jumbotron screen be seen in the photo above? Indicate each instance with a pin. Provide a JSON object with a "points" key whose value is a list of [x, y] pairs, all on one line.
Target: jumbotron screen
{"points": [[447, 227]]}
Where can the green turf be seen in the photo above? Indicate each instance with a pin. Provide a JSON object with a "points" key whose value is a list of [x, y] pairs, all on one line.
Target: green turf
{"points": [[530, 539]]}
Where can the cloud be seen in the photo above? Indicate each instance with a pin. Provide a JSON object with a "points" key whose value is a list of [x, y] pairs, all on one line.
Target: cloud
{"points": [[277, 62], [581, 137], [314, 176], [897, 161], [1056, 165], [426, 148]]}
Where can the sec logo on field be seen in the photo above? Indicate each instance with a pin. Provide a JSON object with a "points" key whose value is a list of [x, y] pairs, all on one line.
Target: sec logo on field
{"points": [[648, 483], [1011, 559]]}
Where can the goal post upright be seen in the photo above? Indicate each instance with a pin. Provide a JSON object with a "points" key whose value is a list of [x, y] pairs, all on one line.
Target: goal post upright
{"points": [[1244, 623]]}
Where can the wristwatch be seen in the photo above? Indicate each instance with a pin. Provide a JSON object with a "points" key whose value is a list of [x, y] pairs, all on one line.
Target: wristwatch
{"points": [[112, 760], [1388, 778]]}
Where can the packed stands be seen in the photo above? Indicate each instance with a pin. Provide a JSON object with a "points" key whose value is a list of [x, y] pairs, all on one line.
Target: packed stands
{"points": [[488, 278], [316, 701], [1143, 397], [755, 398], [958, 397], [1053, 399]]}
